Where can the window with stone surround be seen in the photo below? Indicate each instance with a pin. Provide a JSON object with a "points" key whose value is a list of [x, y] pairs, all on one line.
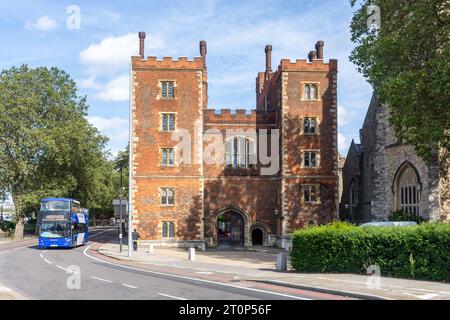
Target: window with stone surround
{"points": [[167, 157], [167, 196], [240, 153], [167, 89], [310, 126], [310, 159], [168, 229], [311, 193], [310, 91], [168, 122]]}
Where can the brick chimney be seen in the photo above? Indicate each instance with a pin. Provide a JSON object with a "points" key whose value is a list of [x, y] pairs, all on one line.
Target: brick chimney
{"points": [[141, 43], [268, 51], [319, 49], [203, 48], [312, 56]]}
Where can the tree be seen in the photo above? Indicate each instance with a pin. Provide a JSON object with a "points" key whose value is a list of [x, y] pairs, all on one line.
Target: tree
{"points": [[121, 163], [407, 60], [47, 147]]}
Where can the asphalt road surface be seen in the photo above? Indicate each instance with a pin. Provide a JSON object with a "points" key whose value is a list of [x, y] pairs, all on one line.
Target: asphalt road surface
{"points": [[79, 273]]}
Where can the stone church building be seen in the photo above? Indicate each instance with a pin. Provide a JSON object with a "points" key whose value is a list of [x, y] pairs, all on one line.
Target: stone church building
{"points": [[238, 200], [381, 176]]}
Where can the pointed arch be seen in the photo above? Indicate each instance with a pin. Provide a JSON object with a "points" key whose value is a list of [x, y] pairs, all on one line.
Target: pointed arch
{"points": [[407, 189]]}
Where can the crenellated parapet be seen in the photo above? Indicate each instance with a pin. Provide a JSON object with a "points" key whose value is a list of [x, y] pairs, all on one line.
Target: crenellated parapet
{"points": [[168, 63], [305, 65], [237, 116]]}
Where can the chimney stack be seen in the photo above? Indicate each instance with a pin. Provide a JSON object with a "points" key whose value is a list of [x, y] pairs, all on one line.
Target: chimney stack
{"points": [[268, 51], [203, 49], [141, 44], [312, 56], [319, 49]]}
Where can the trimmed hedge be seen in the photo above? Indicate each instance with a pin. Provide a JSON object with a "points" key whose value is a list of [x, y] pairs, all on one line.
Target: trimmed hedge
{"points": [[417, 252]]}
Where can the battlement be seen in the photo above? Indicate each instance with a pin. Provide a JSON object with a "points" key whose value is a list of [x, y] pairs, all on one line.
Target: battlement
{"points": [[168, 62], [238, 116], [305, 65]]}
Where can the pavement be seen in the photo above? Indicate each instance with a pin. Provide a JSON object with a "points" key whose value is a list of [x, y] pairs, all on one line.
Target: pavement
{"points": [[258, 265]]}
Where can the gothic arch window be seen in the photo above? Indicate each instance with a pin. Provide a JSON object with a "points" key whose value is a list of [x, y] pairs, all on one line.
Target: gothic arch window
{"points": [[407, 189], [314, 91], [307, 92]]}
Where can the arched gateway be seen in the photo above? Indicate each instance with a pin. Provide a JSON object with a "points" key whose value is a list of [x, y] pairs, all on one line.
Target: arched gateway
{"points": [[232, 228]]}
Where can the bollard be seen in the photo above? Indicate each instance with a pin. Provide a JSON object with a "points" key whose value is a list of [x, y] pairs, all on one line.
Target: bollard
{"points": [[282, 261], [203, 246], [150, 248], [191, 254]]}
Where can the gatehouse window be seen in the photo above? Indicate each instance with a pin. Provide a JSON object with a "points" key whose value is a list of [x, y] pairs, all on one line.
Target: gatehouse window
{"points": [[167, 196], [311, 91], [307, 95], [408, 190], [168, 122], [168, 156], [240, 153], [310, 159], [311, 194], [168, 229], [310, 125], [167, 89]]}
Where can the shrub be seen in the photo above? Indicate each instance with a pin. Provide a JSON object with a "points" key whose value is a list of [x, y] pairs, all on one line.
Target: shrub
{"points": [[8, 227], [417, 252]]}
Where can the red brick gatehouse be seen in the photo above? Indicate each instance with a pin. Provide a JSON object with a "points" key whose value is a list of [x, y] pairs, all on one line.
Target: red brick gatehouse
{"points": [[243, 199]]}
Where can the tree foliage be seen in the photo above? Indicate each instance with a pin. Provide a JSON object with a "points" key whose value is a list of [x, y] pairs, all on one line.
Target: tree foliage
{"points": [[407, 60], [47, 147]]}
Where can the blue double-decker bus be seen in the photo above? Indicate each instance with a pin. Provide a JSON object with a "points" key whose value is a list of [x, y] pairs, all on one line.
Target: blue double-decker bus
{"points": [[62, 223]]}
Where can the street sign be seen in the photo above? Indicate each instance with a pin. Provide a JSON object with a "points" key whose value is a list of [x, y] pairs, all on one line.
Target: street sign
{"points": [[116, 206]]}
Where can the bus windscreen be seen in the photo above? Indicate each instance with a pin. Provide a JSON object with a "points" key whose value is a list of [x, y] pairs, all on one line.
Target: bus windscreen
{"points": [[54, 230]]}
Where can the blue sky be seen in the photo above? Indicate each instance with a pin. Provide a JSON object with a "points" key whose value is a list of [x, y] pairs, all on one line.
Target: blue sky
{"points": [[97, 54]]}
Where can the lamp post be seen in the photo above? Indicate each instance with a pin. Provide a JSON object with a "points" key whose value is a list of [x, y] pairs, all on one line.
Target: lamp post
{"points": [[120, 209]]}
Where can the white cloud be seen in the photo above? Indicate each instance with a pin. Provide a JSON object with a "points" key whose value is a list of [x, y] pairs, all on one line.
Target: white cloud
{"points": [[116, 129], [44, 23], [113, 54], [90, 83], [345, 116], [343, 144], [115, 90], [104, 124]]}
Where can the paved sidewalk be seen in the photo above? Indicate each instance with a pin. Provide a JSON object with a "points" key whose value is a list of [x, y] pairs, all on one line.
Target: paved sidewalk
{"points": [[9, 294], [259, 265]]}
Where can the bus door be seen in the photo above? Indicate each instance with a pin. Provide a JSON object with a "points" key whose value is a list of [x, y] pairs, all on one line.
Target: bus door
{"points": [[81, 229]]}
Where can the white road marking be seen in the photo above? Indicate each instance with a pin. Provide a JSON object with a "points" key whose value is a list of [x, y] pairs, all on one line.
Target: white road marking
{"points": [[100, 279], [4, 251], [422, 296], [193, 279], [61, 268], [42, 256], [127, 285], [169, 296], [49, 262], [204, 272]]}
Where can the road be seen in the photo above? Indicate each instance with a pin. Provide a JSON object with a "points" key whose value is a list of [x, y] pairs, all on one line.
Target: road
{"points": [[81, 273]]}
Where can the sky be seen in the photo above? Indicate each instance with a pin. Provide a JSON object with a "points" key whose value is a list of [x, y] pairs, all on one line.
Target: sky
{"points": [[93, 42]]}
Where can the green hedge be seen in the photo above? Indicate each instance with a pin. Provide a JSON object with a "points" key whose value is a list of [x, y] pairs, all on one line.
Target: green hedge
{"points": [[418, 252]]}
